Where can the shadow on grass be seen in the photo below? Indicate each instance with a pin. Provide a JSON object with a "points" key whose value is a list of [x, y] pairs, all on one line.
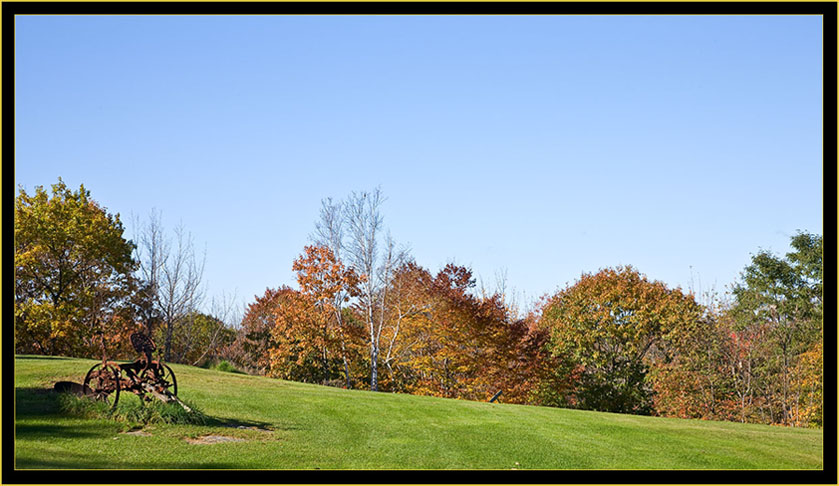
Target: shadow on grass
{"points": [[56, 431], [31, 402], [83, 462], [236, 372], [239, 423], [41, 402]]}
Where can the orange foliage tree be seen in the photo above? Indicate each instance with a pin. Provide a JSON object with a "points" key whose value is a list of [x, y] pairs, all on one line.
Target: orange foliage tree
{"points": [[808, 378], [442, 340], [250, 350], [312, 339], [328, 286]]}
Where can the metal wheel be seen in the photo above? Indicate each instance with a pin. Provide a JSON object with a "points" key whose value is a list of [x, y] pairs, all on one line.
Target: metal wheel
{"points": [[168, 376], [104, 382]]}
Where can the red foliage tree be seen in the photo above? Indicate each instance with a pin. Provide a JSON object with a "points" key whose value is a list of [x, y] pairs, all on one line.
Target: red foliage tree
{"points": [[250, 350]]}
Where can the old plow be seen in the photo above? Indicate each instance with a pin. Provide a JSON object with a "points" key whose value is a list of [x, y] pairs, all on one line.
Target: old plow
{"points": [[145, 377]]}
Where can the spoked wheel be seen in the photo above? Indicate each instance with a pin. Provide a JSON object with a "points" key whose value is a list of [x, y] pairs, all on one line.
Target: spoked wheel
{"points": [[104, 383], [168, 380]]}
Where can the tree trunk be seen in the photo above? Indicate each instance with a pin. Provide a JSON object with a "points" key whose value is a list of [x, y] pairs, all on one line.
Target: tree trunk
{"points": [[325, 356], [347, 372], [341, 336], [786, 385], [167, 346], [374, 372]]}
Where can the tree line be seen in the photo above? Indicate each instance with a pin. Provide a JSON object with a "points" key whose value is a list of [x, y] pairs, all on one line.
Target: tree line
{"points": [[82, 288], [366, 315]]}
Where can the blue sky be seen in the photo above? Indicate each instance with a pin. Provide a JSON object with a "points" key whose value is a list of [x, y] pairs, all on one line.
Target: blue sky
{"points": [[543, 146]]}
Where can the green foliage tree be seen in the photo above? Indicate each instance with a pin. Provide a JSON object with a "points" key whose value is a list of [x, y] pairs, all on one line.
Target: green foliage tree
{"points": [[201, 338], [755, 359], [783, 298], [73, 272], [606, 325]]}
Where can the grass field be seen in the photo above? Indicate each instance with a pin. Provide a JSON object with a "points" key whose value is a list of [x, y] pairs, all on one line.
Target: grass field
{"points": [[300, 426]]}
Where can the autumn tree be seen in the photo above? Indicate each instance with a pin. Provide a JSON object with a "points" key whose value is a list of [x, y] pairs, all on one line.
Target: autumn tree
{"points": [[694, 377], [327, 285], [296, 341], [73, 272], [607, 323], [473, 335], [408, 318], [808, 386], [755, 358], [442, 339], [312, 338], [250, 350], [305, 347], [432, 316], [521, 364]]}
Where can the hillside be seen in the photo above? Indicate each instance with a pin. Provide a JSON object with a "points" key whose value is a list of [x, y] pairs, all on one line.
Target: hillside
{"points": [[286, 425]]}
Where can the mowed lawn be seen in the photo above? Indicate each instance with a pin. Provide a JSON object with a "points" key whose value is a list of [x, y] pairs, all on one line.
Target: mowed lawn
{"points": [[300, 426]]}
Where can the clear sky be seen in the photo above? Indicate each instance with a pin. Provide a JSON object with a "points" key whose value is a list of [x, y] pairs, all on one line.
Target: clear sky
{"points": [[545, 146]]}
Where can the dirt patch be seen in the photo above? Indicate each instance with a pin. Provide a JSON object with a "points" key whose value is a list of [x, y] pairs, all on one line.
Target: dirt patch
{"points": [[138, 432], [212, 439]]}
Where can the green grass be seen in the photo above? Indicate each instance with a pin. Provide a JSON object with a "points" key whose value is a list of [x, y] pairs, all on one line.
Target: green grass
{"points": [[133, 413], [311, 426]]}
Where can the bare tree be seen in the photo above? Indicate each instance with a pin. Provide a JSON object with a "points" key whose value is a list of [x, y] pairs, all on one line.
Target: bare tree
{"points": [[514, 301], [172, 274], [329, 229], [352, 229], [329, 233], [365, 222], [228, 314], [363, 216], [151, 252]]}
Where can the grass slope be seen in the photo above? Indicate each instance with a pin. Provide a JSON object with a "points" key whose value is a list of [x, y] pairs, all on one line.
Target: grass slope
{"points": [[329, 428]]}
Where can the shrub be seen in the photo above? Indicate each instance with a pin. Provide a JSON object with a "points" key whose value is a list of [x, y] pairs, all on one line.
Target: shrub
{"points": [[225, 365]]}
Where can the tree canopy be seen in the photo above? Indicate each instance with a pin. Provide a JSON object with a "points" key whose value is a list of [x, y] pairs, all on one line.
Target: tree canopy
{"points": [[607, 325], [73, 271]]}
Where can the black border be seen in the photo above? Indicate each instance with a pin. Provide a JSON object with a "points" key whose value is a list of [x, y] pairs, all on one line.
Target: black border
{"points": [[418, 8], [828, 11]]}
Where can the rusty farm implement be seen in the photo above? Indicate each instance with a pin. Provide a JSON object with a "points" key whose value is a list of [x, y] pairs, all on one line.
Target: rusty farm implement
{"points": [[145, 377]]}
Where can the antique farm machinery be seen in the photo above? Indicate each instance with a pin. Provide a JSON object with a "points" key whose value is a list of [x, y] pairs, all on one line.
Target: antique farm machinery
{"points": [[146, 377]]}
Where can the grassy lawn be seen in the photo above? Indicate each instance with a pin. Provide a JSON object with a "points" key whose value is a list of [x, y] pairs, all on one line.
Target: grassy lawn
{"points": [[312, 426]]}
